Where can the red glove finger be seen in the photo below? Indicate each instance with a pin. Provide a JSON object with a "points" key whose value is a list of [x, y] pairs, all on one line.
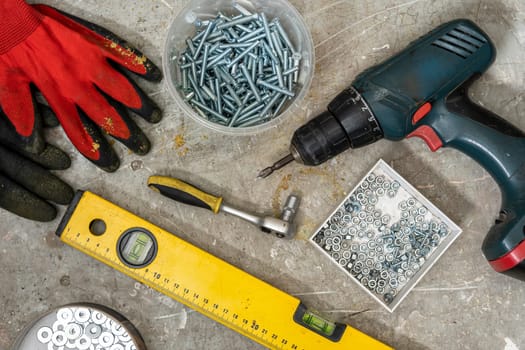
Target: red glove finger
{"points": [[116, 48], [119, 51], [24, 117]]}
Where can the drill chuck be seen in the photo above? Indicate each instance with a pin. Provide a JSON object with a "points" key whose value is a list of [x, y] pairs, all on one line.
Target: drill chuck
{"points": [[348, 123]]}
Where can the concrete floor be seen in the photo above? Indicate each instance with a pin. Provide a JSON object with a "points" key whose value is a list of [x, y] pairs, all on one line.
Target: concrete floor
{"points": [[460, 304]]}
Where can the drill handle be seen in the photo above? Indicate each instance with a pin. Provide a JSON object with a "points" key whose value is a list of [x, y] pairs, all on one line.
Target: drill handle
{"points": [[459, 102], [493, 142], [496, 145]]}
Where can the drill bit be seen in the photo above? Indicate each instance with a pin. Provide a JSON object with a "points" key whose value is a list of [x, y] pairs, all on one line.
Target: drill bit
{"points": [[277, 165]]}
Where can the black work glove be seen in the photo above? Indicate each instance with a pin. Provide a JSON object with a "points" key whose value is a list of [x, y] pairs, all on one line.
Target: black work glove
{"points": [[26, 184]]}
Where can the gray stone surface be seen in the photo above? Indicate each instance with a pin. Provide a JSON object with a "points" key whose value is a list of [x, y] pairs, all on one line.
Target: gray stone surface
{"points": [[460, 304]]}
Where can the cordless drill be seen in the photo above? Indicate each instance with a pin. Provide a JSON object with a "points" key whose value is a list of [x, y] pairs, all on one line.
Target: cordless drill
{"points": [[423, 91]]}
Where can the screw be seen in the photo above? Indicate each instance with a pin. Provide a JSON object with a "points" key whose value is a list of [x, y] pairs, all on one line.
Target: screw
{"points": [[240, 20], [275, 88], [207, 32], [209, 110], [209, 93], [250, 83], [241, 9], [282, 34]]}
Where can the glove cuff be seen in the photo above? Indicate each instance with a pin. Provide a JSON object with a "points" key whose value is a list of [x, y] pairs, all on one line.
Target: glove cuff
{"points": [[18, 20]]}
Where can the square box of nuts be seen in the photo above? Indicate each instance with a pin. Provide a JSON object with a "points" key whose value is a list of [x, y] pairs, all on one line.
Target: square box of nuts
{"points": [[385, 235]]}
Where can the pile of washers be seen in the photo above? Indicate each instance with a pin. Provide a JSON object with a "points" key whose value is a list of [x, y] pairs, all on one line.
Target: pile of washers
{"points": [[85, 329], [381, 247]]}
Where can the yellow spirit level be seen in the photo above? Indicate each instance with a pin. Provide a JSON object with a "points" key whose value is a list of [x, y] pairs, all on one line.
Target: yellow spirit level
{"points": [[200, 280]]}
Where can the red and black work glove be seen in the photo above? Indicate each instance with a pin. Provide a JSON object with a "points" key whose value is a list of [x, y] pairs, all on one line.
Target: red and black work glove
{"points": [[26, 184], [79, 69]]}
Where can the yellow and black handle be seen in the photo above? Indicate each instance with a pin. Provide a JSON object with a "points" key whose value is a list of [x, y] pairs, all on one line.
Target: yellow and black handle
{"points": [[185, 193]]}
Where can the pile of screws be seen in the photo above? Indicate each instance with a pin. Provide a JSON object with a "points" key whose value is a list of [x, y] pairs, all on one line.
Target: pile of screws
{"points": [[84, 328], [382, 249], [239, 71]]}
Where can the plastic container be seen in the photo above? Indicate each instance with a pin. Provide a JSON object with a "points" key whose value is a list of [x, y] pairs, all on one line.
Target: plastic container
{"points": [[183, 27], [386, 235]]}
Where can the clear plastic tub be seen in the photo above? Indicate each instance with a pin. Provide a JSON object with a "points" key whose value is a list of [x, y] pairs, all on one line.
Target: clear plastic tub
{"points": [[183, 27]]}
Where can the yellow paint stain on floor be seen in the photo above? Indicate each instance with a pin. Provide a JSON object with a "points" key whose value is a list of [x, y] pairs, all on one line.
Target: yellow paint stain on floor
{"points": [[179, 141], [306, 230], [329, 184], [276, 199], [327, 180], [180, 145], [337, 191]]}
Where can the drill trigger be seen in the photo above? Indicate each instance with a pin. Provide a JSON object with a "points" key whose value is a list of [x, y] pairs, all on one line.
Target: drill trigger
{"points": [[427, 134]]}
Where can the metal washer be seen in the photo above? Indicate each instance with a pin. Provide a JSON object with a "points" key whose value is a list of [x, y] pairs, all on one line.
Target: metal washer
{"points": [[80, 327], [44, 334]]}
